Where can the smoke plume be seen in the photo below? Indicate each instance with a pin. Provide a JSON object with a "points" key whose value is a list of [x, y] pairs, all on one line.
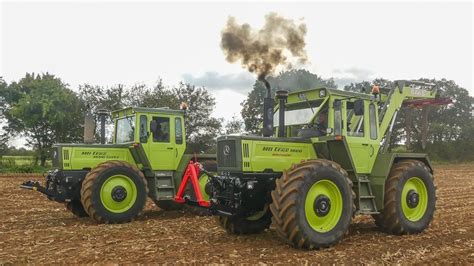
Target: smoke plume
{"points": [[277, 44]]}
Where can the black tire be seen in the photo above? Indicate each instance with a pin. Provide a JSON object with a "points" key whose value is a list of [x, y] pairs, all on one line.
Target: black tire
{"points": [[289, 197], [239, 225], [76, 208], [168, 205], [95, 179], [392, 219]]}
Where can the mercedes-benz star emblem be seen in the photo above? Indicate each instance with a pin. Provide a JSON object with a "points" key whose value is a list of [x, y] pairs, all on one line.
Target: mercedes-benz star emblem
{"points": [[226, 150]]}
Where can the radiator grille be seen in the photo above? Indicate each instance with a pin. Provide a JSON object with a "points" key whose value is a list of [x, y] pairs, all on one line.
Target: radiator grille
{"points": [[66, 155], [246, 150], [226, 153]]}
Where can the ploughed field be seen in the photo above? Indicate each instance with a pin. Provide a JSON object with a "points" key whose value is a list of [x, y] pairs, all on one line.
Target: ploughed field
{"points": [[34, 229]]}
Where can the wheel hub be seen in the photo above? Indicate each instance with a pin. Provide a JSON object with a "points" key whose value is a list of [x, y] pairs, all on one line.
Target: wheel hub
{"points": [[322, 205], [119, 193], [413, 198]]}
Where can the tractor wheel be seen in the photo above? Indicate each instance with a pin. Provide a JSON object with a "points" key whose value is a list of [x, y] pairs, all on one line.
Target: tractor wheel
{"points": [[168, 205], [409, 201], [313, 204], [114, 192], [76, 208], [253, 224]]}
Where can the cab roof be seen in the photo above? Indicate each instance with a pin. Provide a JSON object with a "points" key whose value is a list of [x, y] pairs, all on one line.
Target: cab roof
{"points": [[160, 110]]}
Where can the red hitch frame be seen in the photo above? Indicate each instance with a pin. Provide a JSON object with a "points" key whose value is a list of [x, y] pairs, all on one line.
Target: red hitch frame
{"points": [[191, 173]]}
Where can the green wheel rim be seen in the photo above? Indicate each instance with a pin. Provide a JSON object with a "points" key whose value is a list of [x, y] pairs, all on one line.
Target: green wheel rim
{"points": [[417, 185], [203, 179], [323, 188], [124, 183], [259, 214]]}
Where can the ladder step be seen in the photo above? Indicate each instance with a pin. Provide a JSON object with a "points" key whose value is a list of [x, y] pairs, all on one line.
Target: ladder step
{"points": [[367, 197], [368, 212], [165, 186]]}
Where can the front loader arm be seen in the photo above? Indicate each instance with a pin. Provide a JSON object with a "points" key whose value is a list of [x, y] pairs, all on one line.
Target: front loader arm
{"points": [[403, 90]]}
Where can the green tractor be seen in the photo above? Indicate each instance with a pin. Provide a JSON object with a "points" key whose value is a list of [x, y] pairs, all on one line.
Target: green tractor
{"points": [[111, 182], [324, 160]]}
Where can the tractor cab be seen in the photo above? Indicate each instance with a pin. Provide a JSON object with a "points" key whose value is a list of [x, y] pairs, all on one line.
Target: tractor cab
{"points": [[159, 131]]}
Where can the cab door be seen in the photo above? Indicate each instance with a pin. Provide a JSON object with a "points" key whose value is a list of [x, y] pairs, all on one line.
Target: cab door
{"points": [[357, 135], [161, 148]]}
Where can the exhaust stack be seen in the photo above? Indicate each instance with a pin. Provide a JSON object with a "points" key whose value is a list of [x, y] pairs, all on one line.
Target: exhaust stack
{"points": [[282, 96], [102, 113], [89, 128], [268, 104]]}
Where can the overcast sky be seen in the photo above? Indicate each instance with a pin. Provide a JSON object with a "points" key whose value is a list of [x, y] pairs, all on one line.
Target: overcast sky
{"points": [[107, 43]]}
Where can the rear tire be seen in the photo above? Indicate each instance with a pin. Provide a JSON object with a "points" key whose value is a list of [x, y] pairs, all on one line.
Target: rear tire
{"points": [[239, 225], [410, 198], [313, 204], [76, 208], [114, 192]]}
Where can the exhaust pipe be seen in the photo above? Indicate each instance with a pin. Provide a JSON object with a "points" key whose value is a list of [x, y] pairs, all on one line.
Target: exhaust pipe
{"points": [[102, 113], [282, 96], [268, 104], [89, 128]]}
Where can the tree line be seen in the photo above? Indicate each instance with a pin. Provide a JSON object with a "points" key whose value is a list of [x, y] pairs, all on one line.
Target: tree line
{"points": [[43, 109]]}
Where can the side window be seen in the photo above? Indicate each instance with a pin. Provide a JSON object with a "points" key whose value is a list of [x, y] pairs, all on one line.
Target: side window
{"points": [[178, 129], [160, 127], [355, 123], [337, 117], [143, 129], [373, 122]]}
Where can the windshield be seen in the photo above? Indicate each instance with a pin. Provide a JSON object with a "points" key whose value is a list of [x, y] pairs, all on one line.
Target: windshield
{"points": [[298, 114], [125, 131]]}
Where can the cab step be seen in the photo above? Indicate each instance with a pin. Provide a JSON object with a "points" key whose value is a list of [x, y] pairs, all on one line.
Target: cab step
{"points": [[366, 199], [164, 185]]}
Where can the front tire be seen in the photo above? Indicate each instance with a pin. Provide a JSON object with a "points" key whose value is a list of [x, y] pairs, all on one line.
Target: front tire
{"points": [[313, 204], [409, 201], [114, 192], [76, 208], [254, 224]]}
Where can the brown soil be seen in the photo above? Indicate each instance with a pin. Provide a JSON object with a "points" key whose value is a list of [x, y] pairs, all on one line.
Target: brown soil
{"points": [[36, 230]]}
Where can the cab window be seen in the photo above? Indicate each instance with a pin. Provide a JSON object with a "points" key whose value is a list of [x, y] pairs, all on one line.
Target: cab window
{"points": [[373, 122], [160, 127], [125, 129], [355, 122], [178, 130], [143, 130]]}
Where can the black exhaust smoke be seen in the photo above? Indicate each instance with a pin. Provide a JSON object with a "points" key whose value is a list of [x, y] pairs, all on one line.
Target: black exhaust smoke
{"points": [[280, 43]]}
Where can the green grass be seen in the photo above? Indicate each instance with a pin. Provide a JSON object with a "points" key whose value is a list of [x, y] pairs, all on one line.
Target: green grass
{"points": [[21, 164]]}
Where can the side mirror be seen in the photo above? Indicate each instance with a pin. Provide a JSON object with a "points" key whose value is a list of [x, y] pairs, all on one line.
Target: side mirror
{"points": [[153, 125], [359, 107]]}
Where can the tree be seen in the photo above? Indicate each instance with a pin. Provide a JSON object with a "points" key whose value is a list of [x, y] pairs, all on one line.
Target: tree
{"points": [[4, 138], [201, 128], [234, 126], [44, 110], [291, 80]]}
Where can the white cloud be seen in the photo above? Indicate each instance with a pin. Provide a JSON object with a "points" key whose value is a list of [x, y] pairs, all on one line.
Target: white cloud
{"points": [[241, 82]]}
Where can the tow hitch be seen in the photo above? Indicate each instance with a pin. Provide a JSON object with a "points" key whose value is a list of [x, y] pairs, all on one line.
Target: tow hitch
{"points": [[35, 185]]}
